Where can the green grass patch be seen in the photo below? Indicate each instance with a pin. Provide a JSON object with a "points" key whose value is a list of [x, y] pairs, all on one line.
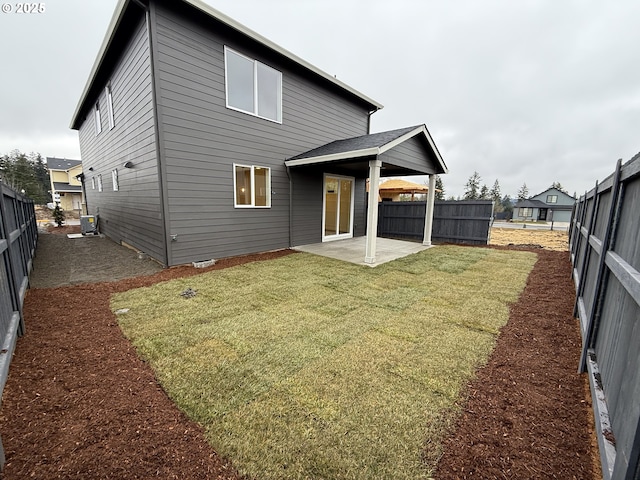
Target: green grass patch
{"points": [[308, 367]]}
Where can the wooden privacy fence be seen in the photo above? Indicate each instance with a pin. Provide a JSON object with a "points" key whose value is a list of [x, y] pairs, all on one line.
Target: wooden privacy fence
{"points": [[454, 221], [605, 254], [18, 237]]}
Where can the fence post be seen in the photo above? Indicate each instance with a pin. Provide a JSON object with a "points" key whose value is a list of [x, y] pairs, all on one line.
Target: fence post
{"points": [[600, 290], [587, 248]]}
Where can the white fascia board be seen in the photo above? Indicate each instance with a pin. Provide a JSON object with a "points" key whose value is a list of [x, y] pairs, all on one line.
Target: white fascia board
{"points": [[115, 21], [333, 157], [212, 12], [200, 5], [422, 129]]}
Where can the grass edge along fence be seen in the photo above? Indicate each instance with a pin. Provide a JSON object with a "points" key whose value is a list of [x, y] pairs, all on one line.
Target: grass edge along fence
{"points": [[454, 221], [18, 238], [603, 244]]}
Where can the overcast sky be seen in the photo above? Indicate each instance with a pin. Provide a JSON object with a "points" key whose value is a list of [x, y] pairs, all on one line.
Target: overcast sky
{"points": [[519, 91]]}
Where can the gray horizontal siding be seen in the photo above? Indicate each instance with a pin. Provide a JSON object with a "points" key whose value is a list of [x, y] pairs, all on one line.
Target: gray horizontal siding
{"points": [[410, 154], [132, 214], [202, 139]]}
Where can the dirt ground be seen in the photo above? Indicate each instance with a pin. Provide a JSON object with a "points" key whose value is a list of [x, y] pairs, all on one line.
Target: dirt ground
{"points": [[550, 240], [80, 404]]}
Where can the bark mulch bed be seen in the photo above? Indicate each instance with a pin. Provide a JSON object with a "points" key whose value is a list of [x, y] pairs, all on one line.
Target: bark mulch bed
{"points": [[80, 404]]}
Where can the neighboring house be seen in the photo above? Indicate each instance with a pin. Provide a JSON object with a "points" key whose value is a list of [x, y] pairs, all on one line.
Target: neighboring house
{"points": [[66, 187], [398, 190], [202, 139], [552, 204]]}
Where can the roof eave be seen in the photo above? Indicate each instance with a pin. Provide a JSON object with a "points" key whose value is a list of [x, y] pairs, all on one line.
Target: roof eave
{"points": [[367, 152], [221, 17]]}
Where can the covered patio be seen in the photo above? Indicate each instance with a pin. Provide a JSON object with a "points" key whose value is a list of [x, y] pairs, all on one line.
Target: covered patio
{"points": [[351, 250], [403, 152]]}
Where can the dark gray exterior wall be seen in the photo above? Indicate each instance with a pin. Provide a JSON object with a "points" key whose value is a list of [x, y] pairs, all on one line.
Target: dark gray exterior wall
{"points": [[201, 140], [132, 214], [410, 154], [308, 184]]}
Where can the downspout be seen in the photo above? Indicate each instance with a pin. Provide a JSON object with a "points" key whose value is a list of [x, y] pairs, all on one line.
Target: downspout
{"points": [[369, 120], [162, 181]]}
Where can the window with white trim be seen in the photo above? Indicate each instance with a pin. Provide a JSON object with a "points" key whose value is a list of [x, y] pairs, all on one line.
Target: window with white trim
{"points": [[93, 183], [252, 87], [114, 178], [251, 186], [98, 119], [100, 182], [552, 198], [526, 212], [112, 122]]}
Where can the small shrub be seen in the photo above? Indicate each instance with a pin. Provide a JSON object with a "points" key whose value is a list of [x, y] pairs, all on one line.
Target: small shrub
{"points": [[58, 216]]}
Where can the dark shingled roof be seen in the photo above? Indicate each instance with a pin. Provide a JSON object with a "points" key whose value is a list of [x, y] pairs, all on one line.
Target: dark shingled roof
{"points": [[530, 204], [374, 140], [61, 163], [65, 187]]}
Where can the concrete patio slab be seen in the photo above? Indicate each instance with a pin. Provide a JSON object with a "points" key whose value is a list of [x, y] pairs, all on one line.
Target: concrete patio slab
{"points": [[353, 250]]}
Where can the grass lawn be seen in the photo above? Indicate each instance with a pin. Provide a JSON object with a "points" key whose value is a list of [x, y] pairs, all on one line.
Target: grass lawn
{"points": [[308, 367]]}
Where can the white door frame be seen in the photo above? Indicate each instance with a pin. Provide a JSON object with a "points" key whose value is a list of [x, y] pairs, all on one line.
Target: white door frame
{"points": [[329, 238]]}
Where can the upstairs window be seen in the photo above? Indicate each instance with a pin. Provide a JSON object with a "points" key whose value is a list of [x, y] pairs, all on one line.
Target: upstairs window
{"points": [[252, 186], [99, 183], [98, 119], [112, 123], [114, 178], [252, 87], [552, 198], [93, 183]]}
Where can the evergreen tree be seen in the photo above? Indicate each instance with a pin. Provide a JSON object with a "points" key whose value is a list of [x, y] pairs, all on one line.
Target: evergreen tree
{"points": [[494, 194], [558, 186], [472, 187], [28, 173], [484, 193], [439, 188], [58, 215], [523, 193]]}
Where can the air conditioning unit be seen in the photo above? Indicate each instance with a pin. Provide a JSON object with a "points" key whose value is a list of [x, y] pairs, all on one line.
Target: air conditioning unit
{"points": [[88, 224]]}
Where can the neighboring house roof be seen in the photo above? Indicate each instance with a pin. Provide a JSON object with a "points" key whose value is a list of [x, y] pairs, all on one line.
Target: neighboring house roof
{"points": [[54, 163], [528, 203], [65, 187], [365, 146], [117, 20], [398, 185], [555, 190]]}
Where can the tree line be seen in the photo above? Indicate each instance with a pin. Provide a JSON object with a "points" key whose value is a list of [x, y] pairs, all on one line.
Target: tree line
{"points": [[26, 173], [475, 189]]}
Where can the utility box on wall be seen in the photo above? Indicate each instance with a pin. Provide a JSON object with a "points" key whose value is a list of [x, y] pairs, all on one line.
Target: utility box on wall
{"points": [[88, 224]]}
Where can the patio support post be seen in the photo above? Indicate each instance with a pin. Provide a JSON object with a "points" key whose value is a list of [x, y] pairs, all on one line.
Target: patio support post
{"points": [[428, 219], [372, 211]]}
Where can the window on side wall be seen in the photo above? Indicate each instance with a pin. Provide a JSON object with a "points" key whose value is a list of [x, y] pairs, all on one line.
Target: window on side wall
{"points": [[252, 87], [252, 186], [112, 122], [100, 182], [552, 198], [93, 183], [97, 118], [114, 178]]}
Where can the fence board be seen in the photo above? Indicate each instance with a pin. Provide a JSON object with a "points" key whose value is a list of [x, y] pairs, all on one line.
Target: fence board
{"points": [[18, 239], [466, 221], [605, 255]]}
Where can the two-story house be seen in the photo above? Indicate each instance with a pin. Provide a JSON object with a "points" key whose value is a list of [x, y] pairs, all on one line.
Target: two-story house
{"points": [[66, 187], [550, 205], [202, 139]]}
